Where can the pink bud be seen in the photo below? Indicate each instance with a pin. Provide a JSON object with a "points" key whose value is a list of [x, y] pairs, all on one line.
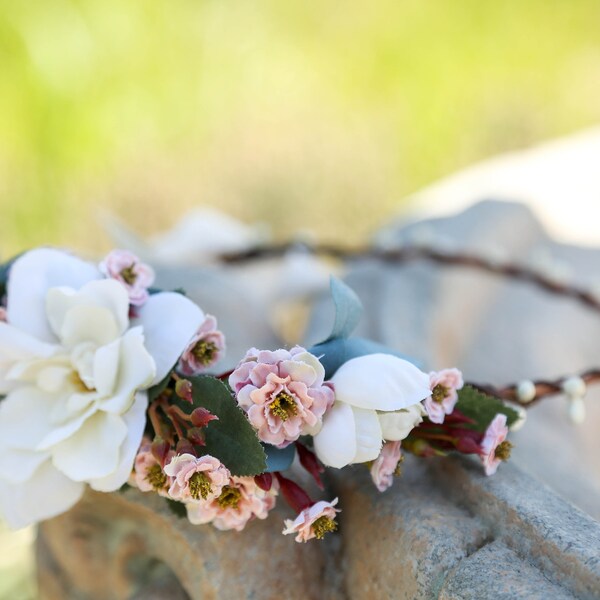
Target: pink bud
{"points": [[160, 450], [185, 447], [183, 388], [196, 436]]}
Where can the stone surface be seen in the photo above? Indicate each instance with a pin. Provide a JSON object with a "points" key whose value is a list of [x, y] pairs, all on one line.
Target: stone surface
{"points": [[444, 530]]}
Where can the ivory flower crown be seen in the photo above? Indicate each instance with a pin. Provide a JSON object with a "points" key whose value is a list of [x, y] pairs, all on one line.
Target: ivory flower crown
{"points": [[107, 382]]}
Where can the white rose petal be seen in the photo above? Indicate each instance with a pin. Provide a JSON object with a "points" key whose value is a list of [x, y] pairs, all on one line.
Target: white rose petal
{"points": [[395, 426], [335, 444]]}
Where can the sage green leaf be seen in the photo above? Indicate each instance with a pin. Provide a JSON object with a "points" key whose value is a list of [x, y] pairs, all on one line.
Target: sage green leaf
{"points": [[279, 459], [482, 408], [231, 439], [348, 309]]}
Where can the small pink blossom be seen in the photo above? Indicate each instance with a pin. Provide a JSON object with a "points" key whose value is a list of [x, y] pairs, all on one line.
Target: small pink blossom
{"points": [[313, 522], [196, 479], [126, 267], [3, 314], [148, 474], [205, 349], [384, 467], [240, 501], [495, 447], [444, 386], [282, 392]]}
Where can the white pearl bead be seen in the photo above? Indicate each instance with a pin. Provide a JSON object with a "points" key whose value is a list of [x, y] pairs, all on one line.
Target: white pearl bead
{"points": [[574, 387], [526, 391]]}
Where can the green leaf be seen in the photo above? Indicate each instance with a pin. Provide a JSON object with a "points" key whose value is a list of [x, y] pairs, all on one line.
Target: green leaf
{"points": [[279, 459], [231, 439], [177, 508], [156, 390], [334, 353], [348, 309], [482, 408]]}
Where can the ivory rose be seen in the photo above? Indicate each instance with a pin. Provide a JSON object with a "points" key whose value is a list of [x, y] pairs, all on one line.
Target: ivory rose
{"points": [[74, 370], [369, 391]]}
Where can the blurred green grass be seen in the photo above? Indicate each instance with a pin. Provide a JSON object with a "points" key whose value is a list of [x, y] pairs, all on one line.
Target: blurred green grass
{"points": [[319, 115], [307, 114]]}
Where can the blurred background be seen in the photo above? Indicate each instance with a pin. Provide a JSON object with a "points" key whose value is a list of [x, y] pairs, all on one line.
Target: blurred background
{"points": [[306, 115]]}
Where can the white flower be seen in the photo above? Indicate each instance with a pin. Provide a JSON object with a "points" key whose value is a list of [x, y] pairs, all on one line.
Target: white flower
{"points": [[374, 393], [73, 368]]}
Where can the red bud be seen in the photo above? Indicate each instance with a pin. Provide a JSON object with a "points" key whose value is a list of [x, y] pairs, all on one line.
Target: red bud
{"points": [[160, 450], [185, 447], [264, 481], [468, 446], [196, 436], [294, 495], [310, 462], [201, 417]]}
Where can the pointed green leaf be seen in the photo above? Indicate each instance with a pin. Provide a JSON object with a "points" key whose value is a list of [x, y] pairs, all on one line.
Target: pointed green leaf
{"points": [[348, 309], [231, 439], [482, 408]]}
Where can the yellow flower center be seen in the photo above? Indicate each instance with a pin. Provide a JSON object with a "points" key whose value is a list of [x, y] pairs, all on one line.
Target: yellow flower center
{"points": [[129, 275], [283, 406], [204, 352], [439, 393], [322, 526], [200, 486], [230, 497], [156, 477], [503, 450]]}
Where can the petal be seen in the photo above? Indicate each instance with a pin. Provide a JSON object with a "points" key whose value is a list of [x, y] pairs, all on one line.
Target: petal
{"points": [[48, 493], [335, 444], [135, 371], [170, 321], [106, 294], [25, 417], [71, 425], [395, 426], [17, 466], [368, 435], [93, 451], [17, 345], [380, 382], [135, 421], [30, 278]]}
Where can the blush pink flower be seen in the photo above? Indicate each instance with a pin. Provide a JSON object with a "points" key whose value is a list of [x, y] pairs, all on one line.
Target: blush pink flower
{"points": [[444, 386], [240, 501], [313, 522], [3, 314], [283, 393], [196, 479], [148, 475], [495, 447], [136, 276], [205, 349], [385, 466]]}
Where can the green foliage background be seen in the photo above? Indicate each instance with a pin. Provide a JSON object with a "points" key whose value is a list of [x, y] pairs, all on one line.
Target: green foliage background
{"points": [[307, 114]]}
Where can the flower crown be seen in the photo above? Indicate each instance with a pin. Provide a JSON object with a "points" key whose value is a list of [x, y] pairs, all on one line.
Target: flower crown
{"points": [[108, 382]]}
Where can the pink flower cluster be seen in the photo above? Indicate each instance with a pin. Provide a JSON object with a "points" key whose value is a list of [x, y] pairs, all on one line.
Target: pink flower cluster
{"points": [[385, 466], [136, 276], [444, 387], [206, 348], [196, 479], [240, 501], [495, 448], [313, 522], [282, 392]]}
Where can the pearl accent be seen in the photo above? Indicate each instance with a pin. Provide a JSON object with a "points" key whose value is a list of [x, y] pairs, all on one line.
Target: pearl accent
{"points": [[526, 391]]}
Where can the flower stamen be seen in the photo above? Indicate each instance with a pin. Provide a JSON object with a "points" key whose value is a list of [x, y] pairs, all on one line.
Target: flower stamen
{"points": [[503, 450], [156, 477], [283, 406], [439, 393], [204, 352], [200, 486], [322, 526], [128, 274], [230, 497]]}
